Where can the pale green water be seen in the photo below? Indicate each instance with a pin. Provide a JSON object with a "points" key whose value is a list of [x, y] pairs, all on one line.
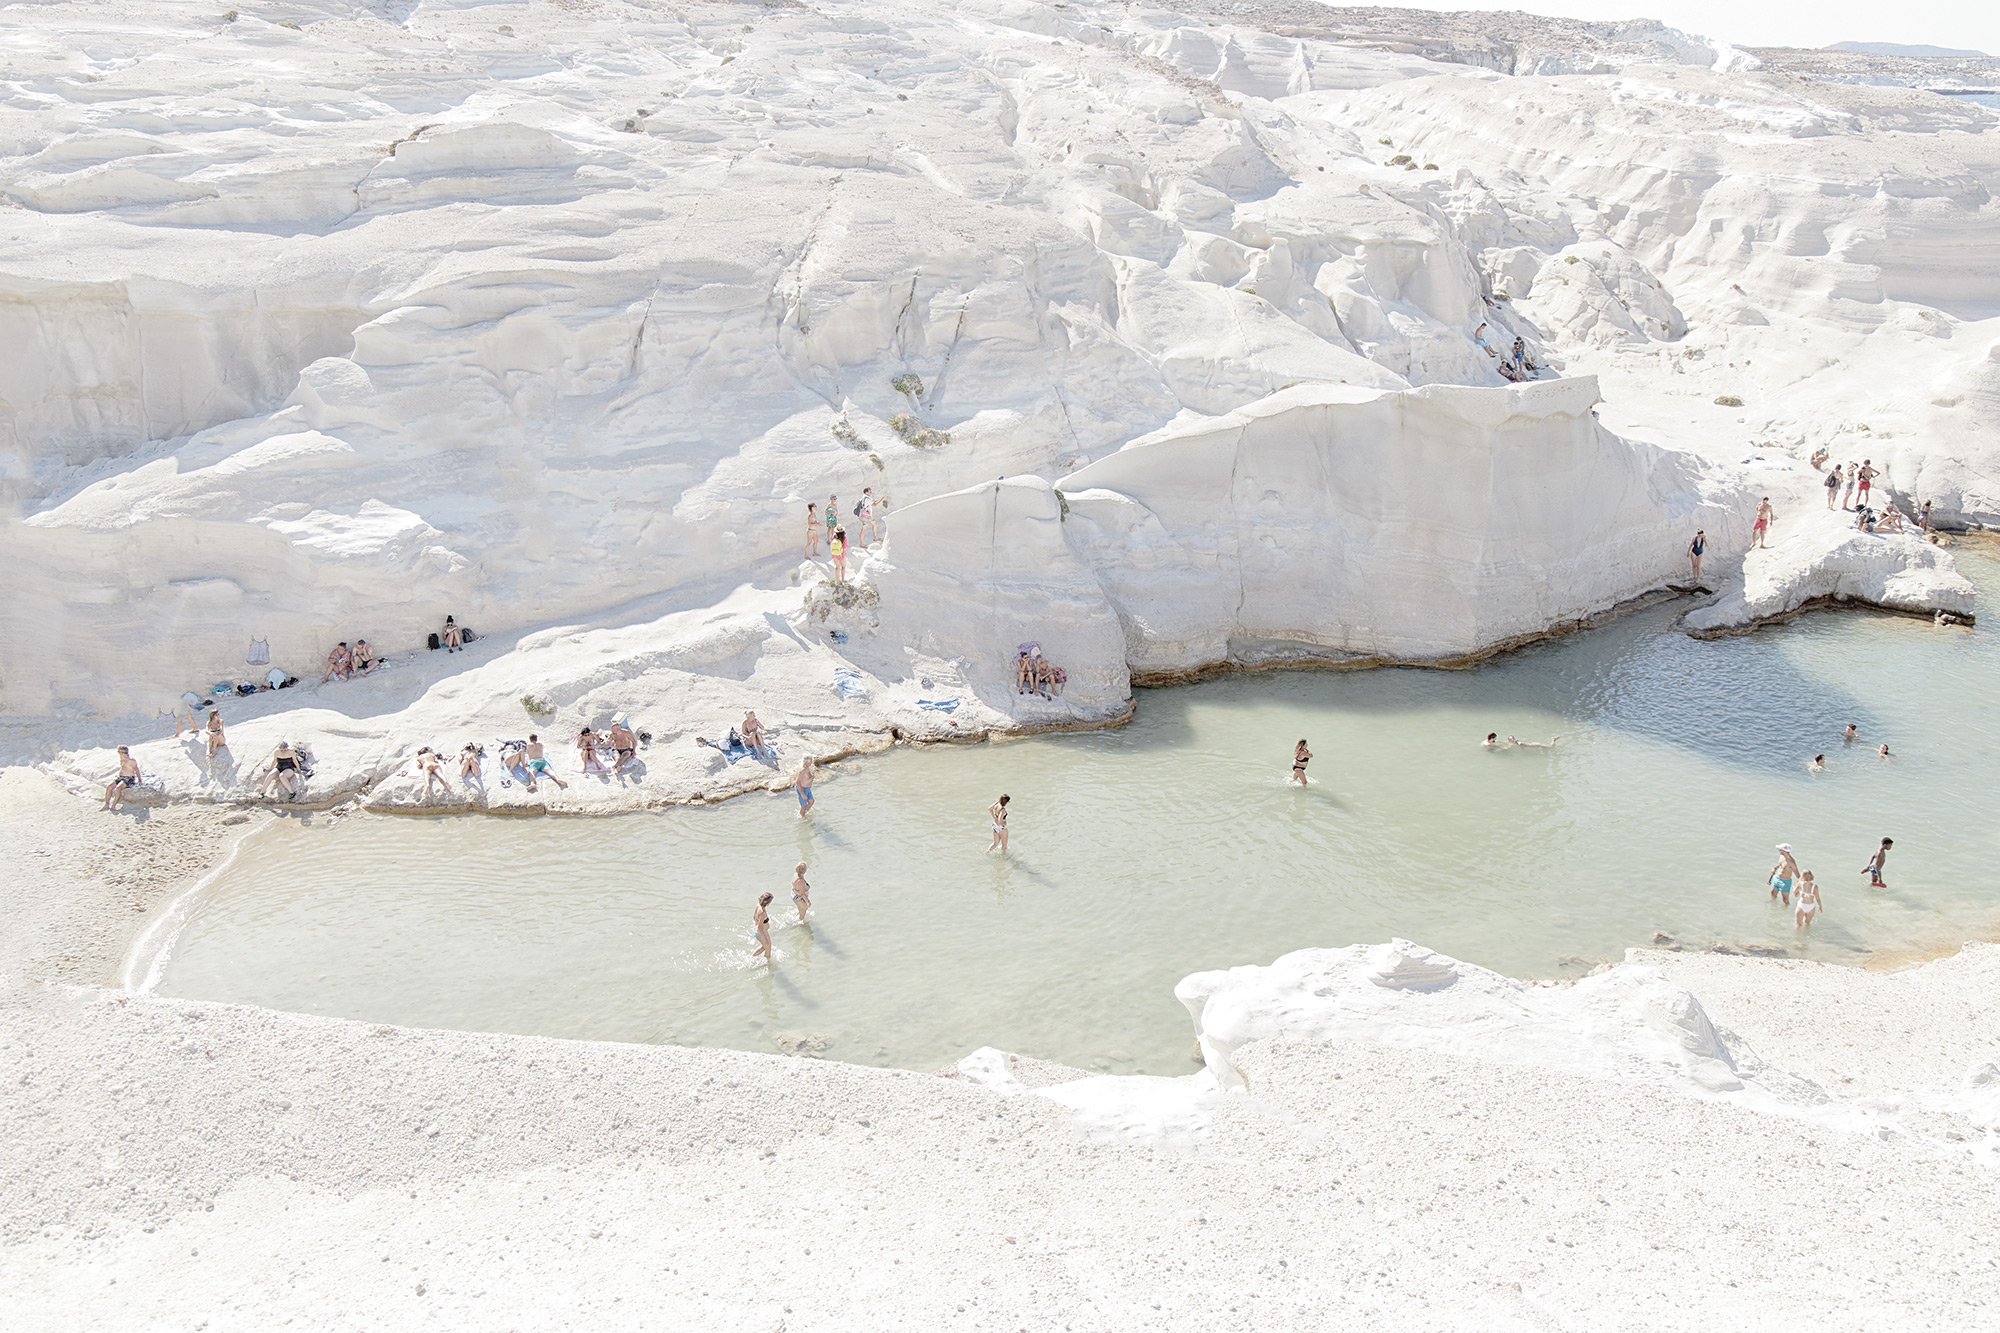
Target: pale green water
{"points": [[1173, 845]]}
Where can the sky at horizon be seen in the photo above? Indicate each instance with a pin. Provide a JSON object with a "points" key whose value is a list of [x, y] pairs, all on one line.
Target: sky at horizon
{"points": [[1949, 23]]}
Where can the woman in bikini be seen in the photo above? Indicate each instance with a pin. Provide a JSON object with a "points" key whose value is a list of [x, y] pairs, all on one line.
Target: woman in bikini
{"points": [[586, 751], [469, 765], [214, 737], [999, 812], [1809, 904], [285, 771], [801, 891], [812, 531], [761, 919], [1301, 756]]}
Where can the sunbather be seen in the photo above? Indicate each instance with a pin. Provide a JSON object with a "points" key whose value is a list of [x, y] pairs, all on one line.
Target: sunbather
{"points": [[363, 658], [430, 764], [515, 760], [625, 744], [470, 761], [339, 664], [753, 735], [586, 751], [1024, 672], [451, 637], [213, 737], [284, 771], [127, 780]]}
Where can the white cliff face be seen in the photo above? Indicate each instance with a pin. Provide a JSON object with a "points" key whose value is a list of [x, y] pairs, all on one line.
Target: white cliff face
{"points": [[331, 322]]}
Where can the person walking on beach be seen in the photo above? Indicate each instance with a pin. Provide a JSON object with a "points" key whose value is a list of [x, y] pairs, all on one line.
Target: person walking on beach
{"points": [[1762, 527], [1848, 495], [1696, 548], [1832, 484], [1875, 863], [802, 783], [1863, 480], [1783, 873], [801, 891], [1808, 906], [999, 812], [761, 921], [812, 530], [127, 779], [537, 763], [1301, 756]]}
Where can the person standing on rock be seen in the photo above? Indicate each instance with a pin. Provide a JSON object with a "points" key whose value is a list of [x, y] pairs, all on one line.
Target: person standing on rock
{"points": [[830, 516], [1783, 873], [760, 920], [802, 783], [865, 511], [801, 891], [1924, 516], [1301, 756], [1875, 863], [127, 779], [1696, 549], [1761, 529], [998, 810], [812, 531], [1832, 485], [837, 548], [1864, 479], [1848, 495]]}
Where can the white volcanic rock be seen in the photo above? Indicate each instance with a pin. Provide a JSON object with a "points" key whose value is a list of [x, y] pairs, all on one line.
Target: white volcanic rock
{"points": [[1626, 1023], [1422, 524], [1822, 555]]}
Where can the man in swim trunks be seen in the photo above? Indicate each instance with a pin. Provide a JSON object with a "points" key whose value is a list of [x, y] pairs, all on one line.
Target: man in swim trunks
{"points": [[1849, 734], [1762, 527], [1301, 756], [127, 779], [801, 891], [363, 659], [999, 812], [625, 743], [1863, 480], [802, 783], [538, 764], [1783, 873]]}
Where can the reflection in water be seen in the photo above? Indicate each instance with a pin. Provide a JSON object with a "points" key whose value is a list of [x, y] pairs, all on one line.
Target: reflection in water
{"points": [[1173, 845]]}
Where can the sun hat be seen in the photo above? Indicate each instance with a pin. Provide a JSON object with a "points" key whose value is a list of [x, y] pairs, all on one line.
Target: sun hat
{"points": [[1784, 846]]}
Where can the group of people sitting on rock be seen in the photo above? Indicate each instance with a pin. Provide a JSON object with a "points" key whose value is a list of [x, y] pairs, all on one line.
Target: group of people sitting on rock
{"points": [[1035, 674], [1517, 365], [1855, 483], [608, 750], [344, 662]]}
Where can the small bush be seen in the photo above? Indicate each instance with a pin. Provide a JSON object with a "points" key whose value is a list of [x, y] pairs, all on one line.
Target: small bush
{"points": [[1400, 160], [1383, 141], [1430, 166], [229, 17], [287, 23], [905, 425], [1729, 400], [931, 439], [844, 431], [1569, 259], [908, 385], [537, 707]]}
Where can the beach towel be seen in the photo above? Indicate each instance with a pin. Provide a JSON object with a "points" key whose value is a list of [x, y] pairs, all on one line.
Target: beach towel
{"points": [[849, 685], [939, 705]]}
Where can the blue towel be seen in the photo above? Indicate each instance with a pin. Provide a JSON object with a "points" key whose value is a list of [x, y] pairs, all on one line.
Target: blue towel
{"points": [[939, 705], [849, 685]]}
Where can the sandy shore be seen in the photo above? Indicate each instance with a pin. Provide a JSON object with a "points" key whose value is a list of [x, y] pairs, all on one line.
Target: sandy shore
{"points": [[175, 1164]]}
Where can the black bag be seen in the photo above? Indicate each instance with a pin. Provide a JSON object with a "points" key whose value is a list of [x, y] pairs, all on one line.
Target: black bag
{"points": [[434, 643], [857, 509]]}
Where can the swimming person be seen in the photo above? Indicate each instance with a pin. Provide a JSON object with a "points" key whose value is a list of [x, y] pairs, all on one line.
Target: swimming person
{"points": [[1808, 906], [999, 812], [538, 764], [1301, 756], [761, 919], [128, 778], [1818, 763], [1874, 867], [1849, 735], [1762, 527], [1695, 550], [812, 531], [1493, 741], [801, 891], [1884, 751], [802, 783], [1549, 744], [1783, 873]]}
